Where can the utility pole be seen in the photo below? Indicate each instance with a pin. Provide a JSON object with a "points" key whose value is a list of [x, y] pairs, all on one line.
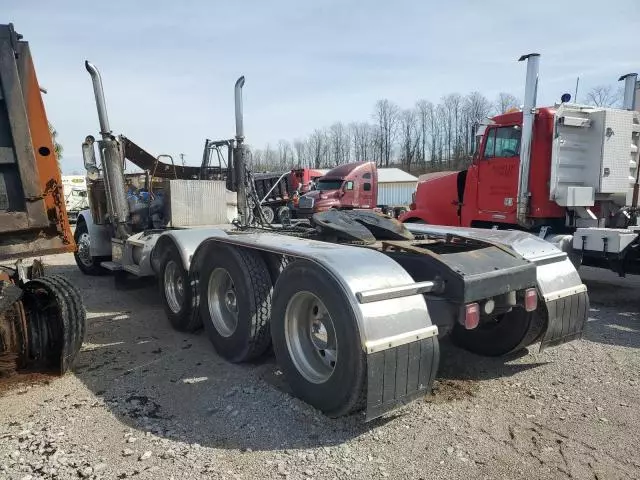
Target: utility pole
{"points": [[182, 158]]}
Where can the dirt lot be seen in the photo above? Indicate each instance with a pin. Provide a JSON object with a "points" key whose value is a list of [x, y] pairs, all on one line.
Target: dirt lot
{"points": [[147, 402]]}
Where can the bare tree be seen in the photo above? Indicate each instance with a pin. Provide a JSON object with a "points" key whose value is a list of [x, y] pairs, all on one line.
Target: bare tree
{"points": [[477, 108], [299, 146], [603, 96], [340, 143], [362, 135], [423, 111], [409, 137], [317, 146], [386, 116], [505, 102]]}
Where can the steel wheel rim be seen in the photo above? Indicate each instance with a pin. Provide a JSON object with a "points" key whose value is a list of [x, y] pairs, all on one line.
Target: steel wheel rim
{"points": [[223, 302], [269, 214], [174, 286], [311, 337], [84, 249]]}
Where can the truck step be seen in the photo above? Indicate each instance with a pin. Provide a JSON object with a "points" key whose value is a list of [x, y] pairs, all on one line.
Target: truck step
{"points": [[112, 266], [133, 269]]}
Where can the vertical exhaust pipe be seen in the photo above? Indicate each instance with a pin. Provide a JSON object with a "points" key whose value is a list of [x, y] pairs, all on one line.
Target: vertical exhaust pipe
{"points": [[239, 157], [528, 117], [239, 112], [630, 79], [98, 91], [112, 163]]}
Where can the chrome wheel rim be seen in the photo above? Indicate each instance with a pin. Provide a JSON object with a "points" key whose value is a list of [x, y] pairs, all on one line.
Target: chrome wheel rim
{"points": [[223, 302], [84, 249], [311, 337], [174, 286]]}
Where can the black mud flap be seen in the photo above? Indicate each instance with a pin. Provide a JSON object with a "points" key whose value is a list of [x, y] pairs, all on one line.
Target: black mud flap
{"points": [[566, 319], [398, 375]]}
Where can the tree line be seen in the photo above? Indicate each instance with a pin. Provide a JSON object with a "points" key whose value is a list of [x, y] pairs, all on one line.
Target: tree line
{"points": [[422, 138]]}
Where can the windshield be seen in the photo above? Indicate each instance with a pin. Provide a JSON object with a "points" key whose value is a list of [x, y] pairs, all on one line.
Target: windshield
{"points": [[329, 185]]}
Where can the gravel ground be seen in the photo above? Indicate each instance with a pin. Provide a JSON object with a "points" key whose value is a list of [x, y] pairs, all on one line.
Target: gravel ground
{"points": [[144, 401]]}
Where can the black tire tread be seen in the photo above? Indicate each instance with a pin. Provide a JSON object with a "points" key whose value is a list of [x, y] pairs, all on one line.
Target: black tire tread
{"points": [[262, 289], [190, 320], [72, 317]]}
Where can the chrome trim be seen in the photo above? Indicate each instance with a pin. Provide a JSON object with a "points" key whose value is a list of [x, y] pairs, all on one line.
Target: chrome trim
{"points": [[401, 339], [388, 293], [567, 292]]}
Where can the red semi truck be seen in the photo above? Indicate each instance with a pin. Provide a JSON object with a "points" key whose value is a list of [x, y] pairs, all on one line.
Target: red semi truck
{"points": [[568, 173], [346, 187]]}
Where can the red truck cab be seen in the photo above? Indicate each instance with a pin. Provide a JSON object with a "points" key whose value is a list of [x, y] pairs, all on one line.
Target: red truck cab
{"points": [[486, 193], [350, 186]]}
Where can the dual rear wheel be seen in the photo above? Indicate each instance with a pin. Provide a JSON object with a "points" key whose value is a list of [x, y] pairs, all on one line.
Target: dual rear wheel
{"points": [[304, 316]]}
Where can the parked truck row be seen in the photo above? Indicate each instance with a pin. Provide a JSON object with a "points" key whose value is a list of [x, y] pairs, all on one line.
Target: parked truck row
{"points": [[353, 303]]}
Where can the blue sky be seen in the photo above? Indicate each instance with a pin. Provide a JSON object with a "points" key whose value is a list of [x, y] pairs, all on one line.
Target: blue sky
{"points": [[169, 67]]}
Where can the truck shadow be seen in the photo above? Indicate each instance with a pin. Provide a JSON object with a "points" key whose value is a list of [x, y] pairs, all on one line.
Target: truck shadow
{"points": [[154, 379], [614, 317]]}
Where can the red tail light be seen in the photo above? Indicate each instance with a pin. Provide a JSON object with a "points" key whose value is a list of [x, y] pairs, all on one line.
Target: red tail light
{"points": [[530, 299], [471, 316]]}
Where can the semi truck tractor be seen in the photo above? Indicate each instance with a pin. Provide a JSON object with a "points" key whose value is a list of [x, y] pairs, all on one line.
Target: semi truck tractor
{"points": [[567, 173], [42, 320], [346, 187], [353, 303]]}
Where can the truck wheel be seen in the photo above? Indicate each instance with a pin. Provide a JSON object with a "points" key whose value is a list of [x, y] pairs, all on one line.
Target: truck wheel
{"points": [[284, 215], [268, 214], [55, 322], [86, 263], [316, 340], [235, 302], [510, 333], [175, 290]]}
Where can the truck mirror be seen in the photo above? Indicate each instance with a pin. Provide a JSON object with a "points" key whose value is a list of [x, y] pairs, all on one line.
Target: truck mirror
{"points": [[89, 153]]}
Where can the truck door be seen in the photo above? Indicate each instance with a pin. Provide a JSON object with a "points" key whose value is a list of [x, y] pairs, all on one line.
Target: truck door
{"points": [[498, 172]]}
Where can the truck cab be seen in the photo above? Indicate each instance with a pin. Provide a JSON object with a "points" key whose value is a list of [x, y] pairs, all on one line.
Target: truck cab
{"points": [[486, 193], [350, 186]]}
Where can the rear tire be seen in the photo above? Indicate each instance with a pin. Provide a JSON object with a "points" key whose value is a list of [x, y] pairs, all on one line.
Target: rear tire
{"points": [[235, 302], [176, 293], [86, 263], [56, 323], [310, 316], [514, 331]]}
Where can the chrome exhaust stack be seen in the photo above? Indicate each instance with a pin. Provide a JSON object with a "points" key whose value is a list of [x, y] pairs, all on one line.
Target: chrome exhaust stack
{"points": [[112, 161], [239, 157], [630, 80], [528, 117]]}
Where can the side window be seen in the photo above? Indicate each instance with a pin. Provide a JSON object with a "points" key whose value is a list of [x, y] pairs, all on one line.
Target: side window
{"points": [[349, 186], [507, 142], [367, 186], [366, 175], [490, 144]]}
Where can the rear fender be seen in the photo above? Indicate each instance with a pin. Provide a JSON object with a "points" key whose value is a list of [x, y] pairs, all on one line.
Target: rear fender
{"points": [[100, 235], [565, 301], [396, 333]]}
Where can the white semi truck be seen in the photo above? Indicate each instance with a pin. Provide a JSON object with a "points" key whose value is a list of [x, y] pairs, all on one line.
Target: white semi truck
{"points": [[353, 303]]}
